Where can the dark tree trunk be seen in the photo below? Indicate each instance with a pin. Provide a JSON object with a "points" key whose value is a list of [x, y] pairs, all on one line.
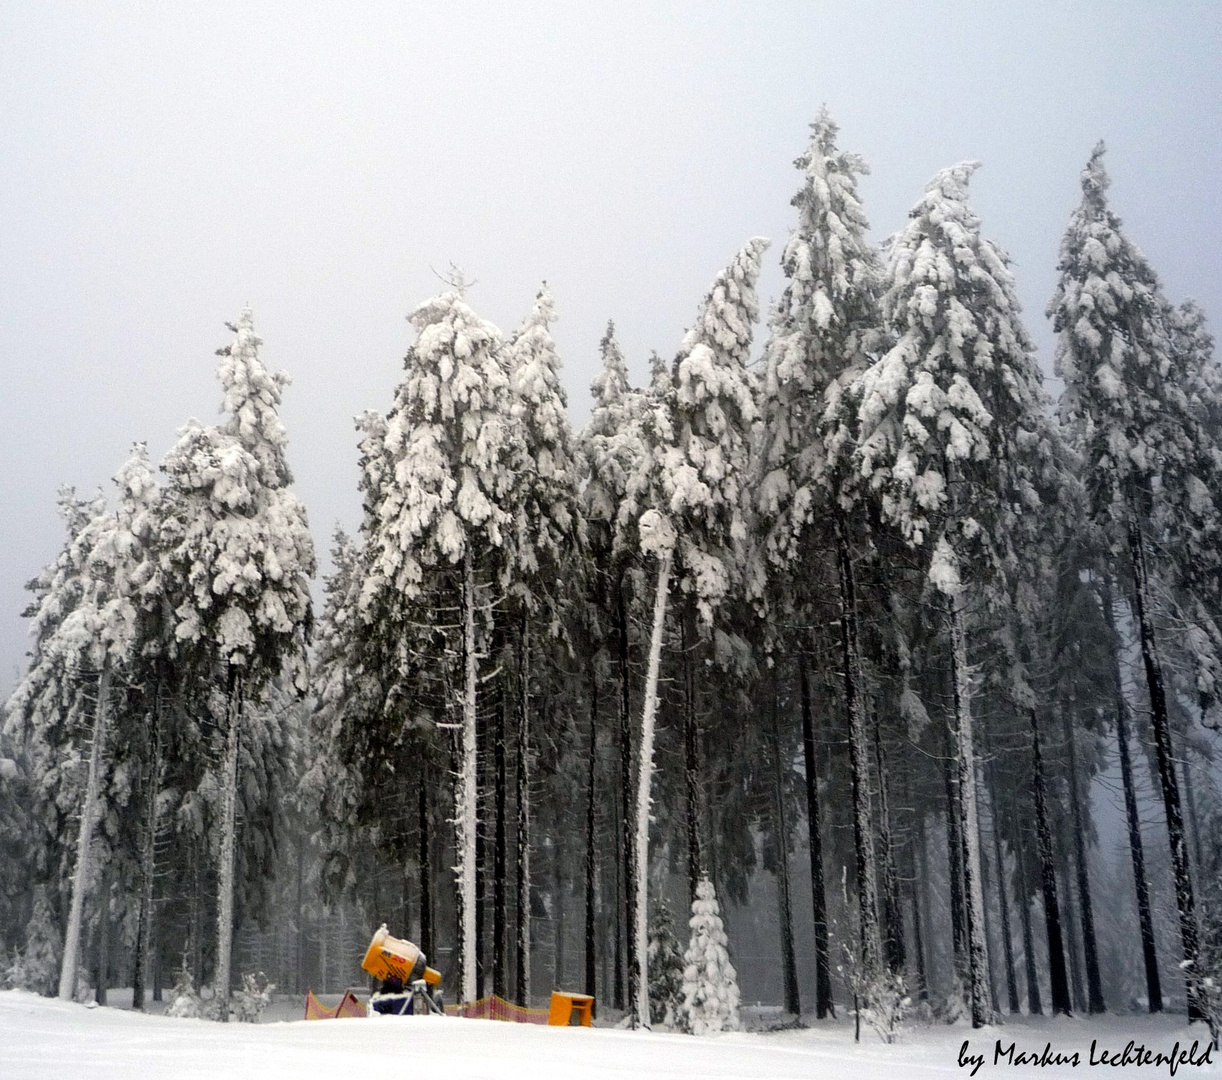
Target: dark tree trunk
{"points": [[299, 966], [689, 639], [102, 974], [1073, 946], [1052, 911], [954, 849], [1160, 721], [483, 789], [591, 857], [893, 919], [1003, 903], [919, 879], [627, 817], [148, 857], [985, 916], [617, 923], [1145, 918], [425, 861], [500, 869], [1034, 1006], [789, 963], [863, 825], [522, 778], [824, 1006], [1090, 947]]}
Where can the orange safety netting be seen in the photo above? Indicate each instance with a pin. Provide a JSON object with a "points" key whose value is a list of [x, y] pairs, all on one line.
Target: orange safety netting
{"points": [[349, 1005], [497, 1008]]}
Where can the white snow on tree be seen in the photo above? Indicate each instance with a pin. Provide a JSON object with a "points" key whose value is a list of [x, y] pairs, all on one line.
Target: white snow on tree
{"points": [[710, 983], [438, 483], [696, 434], [666, 967], [952, 441], [239, 550]]}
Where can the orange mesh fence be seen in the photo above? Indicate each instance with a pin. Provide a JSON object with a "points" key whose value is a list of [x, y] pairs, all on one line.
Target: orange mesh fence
{"points": [[349, 1005], [497, 1008]]}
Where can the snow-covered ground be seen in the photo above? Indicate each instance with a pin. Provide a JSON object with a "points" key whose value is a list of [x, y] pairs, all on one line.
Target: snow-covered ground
{"points": [[43, 1038]]}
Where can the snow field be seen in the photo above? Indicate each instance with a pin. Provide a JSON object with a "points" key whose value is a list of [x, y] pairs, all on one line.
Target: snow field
{"points": [[45, 1038]]}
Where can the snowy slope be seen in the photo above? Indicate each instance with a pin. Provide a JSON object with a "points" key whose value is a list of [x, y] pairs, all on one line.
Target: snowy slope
{"points": [[40, 1037]]}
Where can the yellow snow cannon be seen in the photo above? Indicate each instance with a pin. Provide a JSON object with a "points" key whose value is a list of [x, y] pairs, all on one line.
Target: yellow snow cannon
{"points": [[409, 985]]}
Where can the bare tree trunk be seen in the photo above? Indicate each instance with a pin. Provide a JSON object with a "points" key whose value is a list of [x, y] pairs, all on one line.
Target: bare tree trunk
{"points": [[893, 918], [920, 877], [148, 859], [1052, 909], [625, 931], [500, 869], [1003, 903], [84, 839], [863, 824], [1034, 1005], [823, 976], [789, 963], [689, 637], [969, 830], [425, 862], [1094, 982], [591, 960], [1160, 721], [465, 809], [229, 829], [644, 796], [1145, 918], [523, 801]]}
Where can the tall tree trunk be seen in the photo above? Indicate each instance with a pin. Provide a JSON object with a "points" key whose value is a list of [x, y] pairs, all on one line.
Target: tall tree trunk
{"points": [[644, 796], [823, 975], [559, 904], [1048, 877], [229, 829], [591, 965], [625, 934], [1034, 1005], [466, 811], [1145, 918], [789, 963], [1160, 721], [500, 870], [863, 824], [893, 918], [424, 861], [986, 916], [689, 637], [973, 892], [102, 974], [522, 989], [84, 839], [1003, 903], [482, 792], [954, 860], [148, 858], [919, 877], [1090, 947]]}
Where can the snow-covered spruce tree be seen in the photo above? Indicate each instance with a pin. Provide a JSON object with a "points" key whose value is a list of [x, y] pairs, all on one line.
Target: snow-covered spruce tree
{"points": [[1126, 389], [546, 565], [666, 966], [824, 333], [710, 983], [436, 520], [86, 629], [238, 547], [952, 437], [689, 483], [612, 451]]}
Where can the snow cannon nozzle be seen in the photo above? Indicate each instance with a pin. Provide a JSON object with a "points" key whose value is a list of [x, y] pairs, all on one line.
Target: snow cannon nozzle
{"points": [[391, 957]]}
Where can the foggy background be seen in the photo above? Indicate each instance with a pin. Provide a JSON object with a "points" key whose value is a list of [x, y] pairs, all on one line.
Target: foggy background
{"points": [[161, 164]]}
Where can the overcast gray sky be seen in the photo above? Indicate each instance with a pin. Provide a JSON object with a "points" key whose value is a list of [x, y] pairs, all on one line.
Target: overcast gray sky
{"points": [[162, 163]]}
